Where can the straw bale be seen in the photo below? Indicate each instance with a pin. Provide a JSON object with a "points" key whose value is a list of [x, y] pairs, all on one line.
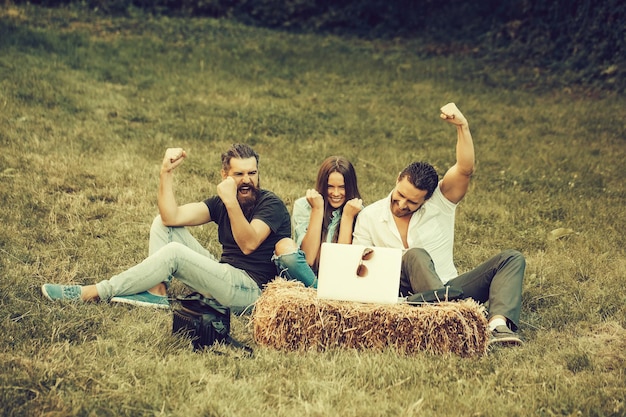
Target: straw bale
{"points": [[290, 317]]}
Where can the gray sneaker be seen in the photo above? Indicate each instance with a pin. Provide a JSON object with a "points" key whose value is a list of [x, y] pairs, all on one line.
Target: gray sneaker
{"points": [[144, 299], [504, 336]]}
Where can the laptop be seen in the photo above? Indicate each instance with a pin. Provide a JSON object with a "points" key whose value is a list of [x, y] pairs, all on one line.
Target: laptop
{"points": [[359, 273]]}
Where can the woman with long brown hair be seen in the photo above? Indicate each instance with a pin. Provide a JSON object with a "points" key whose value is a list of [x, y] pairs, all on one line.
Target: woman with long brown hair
{"points": [[325, 214]]}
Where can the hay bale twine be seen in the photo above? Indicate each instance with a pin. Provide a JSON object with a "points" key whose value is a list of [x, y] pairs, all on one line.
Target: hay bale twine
{"points": [[289, 316]]}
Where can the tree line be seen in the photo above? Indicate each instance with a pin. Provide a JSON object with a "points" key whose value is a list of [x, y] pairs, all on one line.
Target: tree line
{"points": [[583, 41]]}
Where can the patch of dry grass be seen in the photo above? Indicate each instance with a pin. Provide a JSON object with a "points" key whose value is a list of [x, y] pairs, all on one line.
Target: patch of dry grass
{"points": [[85, 119]]}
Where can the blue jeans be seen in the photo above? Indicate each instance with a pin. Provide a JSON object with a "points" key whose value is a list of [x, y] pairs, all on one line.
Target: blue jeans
{"points": [[293, 266], [174, 252]]}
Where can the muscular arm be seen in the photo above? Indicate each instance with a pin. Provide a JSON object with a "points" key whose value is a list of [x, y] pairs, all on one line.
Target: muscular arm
{"points": [[172, 214], [455, 182], [248, 235]]}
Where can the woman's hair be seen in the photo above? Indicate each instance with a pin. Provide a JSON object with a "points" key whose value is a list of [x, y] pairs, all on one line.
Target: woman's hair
{"points": [[344, 167]]}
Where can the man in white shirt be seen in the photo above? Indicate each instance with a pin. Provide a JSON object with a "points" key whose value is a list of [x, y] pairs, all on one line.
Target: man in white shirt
{"points": [[418, 216]]}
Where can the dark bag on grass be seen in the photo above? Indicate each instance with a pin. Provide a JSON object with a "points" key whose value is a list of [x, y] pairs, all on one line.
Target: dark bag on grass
{"points": [[446, 293], [204, 320]]}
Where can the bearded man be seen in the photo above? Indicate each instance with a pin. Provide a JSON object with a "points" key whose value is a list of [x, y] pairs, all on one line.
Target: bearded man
{"points": [[250, 222]]}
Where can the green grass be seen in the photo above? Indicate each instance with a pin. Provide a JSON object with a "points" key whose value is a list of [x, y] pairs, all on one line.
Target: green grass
{"points": [[88, 105]]}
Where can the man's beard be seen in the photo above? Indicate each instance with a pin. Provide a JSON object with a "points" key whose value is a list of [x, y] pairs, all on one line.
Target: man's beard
{"points": [[248, 202], [396, 211]]}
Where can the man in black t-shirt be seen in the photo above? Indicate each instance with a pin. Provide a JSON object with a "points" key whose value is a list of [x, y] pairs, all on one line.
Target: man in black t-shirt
{"points": [[250, 222]]}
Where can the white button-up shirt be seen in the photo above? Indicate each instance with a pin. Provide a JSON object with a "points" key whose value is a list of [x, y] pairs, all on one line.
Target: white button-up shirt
{"points": [[431, 228]]}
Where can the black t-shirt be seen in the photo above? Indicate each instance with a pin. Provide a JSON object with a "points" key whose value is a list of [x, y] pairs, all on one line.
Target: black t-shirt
{"points": [[269, 209]]}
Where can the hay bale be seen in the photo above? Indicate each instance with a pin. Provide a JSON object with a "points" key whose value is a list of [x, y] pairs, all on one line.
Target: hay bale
{"points": [[289, 316]]}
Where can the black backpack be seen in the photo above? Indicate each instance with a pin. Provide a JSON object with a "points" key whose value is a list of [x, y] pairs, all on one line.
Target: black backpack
{"points": [[204, 320]]}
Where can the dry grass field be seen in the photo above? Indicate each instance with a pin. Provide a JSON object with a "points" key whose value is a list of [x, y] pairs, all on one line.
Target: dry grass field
{"points": [[88, 105]]}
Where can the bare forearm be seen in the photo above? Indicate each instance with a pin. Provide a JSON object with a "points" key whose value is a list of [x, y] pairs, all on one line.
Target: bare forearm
{"points": [[312, 239], [243, 232], [166, 200], [464, 150], [345, 229], [349, 213]]}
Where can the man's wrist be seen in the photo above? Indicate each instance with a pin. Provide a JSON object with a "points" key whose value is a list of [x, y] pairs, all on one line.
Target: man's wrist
{"points": [[230, 204]]}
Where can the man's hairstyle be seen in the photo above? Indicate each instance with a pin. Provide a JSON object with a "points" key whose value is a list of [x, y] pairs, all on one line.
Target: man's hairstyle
{"points": [[423, 177], [238, 151]]}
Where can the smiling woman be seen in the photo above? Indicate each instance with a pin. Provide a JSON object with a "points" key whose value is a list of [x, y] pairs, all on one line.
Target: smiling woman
{"points": [[325, 214]]}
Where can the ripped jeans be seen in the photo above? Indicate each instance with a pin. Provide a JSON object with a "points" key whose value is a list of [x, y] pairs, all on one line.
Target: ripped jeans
{"points": [[293, 266]]}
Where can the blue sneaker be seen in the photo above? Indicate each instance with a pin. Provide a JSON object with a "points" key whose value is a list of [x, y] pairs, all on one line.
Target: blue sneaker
{"points": [[144, 299], [55, 292]]}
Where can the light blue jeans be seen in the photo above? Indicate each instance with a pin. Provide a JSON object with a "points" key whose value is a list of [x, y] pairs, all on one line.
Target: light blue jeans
{"points": [[174, 252], [293, 266]]}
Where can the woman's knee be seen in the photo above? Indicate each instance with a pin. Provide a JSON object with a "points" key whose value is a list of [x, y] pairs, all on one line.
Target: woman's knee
{"points": [[293, 266], [290, 261], [285, 246]]}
